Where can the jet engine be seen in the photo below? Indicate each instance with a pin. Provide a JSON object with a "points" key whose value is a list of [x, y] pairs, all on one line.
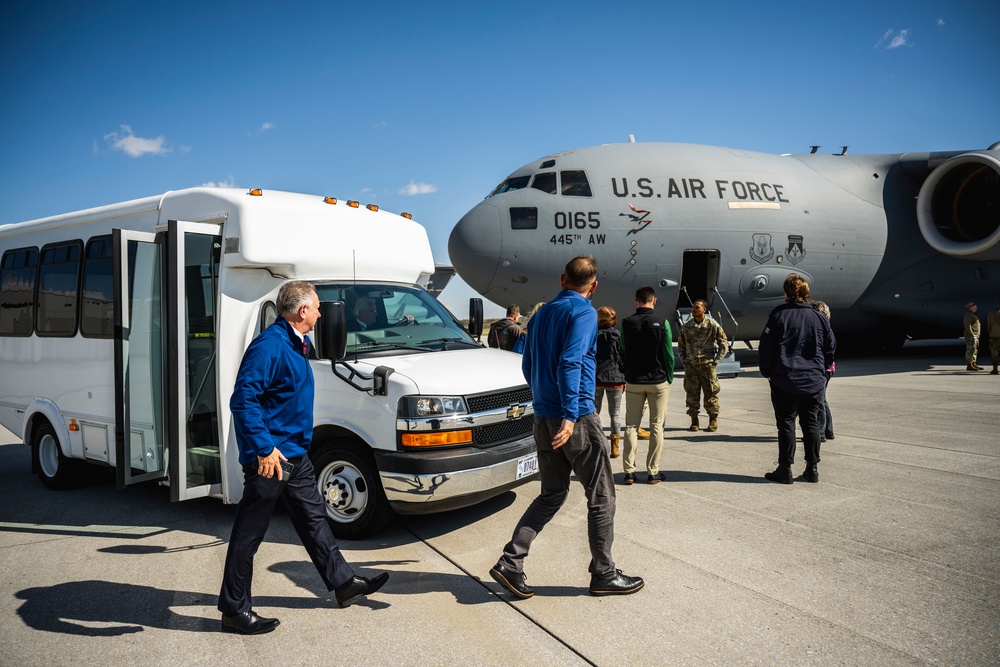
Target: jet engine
{"points": [[958, 208]]}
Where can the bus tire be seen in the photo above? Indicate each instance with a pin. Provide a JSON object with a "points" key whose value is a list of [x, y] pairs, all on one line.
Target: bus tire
{"points": [[55, 470], [349, 484]]}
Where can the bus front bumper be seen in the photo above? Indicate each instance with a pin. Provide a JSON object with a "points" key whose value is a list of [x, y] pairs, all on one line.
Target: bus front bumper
{"points": [[446, 479]]}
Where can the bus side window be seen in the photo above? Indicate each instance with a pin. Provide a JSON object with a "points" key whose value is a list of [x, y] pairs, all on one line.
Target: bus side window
{"points": [[97, 300], [17, 291], [58, 289]]}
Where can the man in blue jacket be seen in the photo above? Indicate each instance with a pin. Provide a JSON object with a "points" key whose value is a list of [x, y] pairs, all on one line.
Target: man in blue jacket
{"points": [[272, 406], [796, 348], [559, 365]]}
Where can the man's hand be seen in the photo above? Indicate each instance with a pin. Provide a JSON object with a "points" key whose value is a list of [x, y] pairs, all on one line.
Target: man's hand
{"points": [[267, 465], [563, 434]]}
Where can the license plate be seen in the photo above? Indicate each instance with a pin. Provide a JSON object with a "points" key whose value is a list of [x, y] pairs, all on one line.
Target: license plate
{"points": [[527, 465]]}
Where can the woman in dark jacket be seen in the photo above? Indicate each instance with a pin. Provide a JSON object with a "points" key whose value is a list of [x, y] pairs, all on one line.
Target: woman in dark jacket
{"points": [[610, 371]]}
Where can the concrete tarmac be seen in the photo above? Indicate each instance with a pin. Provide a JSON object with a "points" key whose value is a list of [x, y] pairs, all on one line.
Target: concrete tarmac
{"points": [[892, 559]]}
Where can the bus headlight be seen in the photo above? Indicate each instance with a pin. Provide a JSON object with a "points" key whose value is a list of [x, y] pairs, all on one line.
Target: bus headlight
{"points": [[423, 407]]}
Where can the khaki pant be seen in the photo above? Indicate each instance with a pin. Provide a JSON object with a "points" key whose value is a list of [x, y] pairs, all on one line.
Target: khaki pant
{"points": [[971, 350], [636, 397]]}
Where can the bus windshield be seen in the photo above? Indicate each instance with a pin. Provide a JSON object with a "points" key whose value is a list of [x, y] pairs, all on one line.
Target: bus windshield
{"points": [[396, 317]]}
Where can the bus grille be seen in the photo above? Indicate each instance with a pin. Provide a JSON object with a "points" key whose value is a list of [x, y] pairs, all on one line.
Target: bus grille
{"points": [[495, 434], [503, 399]]}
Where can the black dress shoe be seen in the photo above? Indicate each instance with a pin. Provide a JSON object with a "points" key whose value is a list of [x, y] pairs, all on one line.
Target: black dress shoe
{"points": [[347, 594], [512, 581], [629, 478], [249, 623], [618, 584], [657, 478]]}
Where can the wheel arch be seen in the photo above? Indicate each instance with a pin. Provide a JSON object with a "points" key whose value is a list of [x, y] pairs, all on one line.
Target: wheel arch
{"points": [[41, 411]]}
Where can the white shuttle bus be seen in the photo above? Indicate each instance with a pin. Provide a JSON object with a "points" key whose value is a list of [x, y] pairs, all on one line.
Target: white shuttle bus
{"points": [[122, 329]]}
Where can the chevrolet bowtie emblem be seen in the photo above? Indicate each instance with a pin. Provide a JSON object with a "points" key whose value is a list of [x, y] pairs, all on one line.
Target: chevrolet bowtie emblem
{"points": [[514, 411]]}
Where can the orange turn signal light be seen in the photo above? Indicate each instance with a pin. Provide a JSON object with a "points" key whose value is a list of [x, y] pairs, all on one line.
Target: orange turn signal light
{"points": [[353, 204], [372, 207], [437, 439], [256, 192], [330, 200], [406, 215]]}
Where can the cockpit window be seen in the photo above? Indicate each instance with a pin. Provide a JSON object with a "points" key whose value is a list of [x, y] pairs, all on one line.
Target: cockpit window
{"points": [[512, 183], [575, 184], [523, 217], [546, 182]]}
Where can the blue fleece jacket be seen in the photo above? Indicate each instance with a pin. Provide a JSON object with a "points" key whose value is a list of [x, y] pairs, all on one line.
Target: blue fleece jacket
{"points": [[272, 402], [559, 360], [796, 348]]}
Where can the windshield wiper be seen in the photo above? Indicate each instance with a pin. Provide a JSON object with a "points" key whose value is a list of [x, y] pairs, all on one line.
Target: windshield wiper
{"points": [[378, 345]]}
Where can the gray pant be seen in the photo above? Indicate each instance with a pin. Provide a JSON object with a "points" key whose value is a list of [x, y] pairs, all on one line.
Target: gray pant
{"points": [[586, 453]]}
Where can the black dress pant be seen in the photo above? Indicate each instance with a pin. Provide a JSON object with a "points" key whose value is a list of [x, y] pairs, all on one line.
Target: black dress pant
{"points": [[807, 408], [253, 514]]}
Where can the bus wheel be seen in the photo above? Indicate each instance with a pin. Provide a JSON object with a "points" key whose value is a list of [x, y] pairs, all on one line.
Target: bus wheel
{"points": [[54, 469], [355, 502]]}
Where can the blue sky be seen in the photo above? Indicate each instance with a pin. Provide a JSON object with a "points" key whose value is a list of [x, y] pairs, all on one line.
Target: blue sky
{"points": [[426, 106]]}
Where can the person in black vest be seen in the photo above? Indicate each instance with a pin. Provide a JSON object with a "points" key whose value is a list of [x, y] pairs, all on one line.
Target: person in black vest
{"points": [[649, 370], [504, 332]]}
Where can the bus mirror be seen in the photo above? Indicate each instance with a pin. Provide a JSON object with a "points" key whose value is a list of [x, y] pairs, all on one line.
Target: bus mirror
{"points": [[476, 318], [331, 331]]}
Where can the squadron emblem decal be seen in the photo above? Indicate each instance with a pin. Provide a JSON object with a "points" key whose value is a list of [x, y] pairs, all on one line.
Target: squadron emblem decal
{"points": [[795, 251], [761, 250]]}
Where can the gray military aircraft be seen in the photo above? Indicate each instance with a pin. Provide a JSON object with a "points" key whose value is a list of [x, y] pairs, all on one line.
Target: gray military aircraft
{"points": [[895, 244]]}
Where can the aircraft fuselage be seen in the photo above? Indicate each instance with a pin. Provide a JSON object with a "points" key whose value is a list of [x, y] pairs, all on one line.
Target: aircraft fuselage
{"points": [[728, 226]]}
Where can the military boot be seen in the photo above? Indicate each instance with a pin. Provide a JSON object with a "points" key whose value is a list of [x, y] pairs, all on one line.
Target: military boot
{"points": [[615, 452], [694, 423], [713, 423], [970, 367], [781, 475], [810, 474], [994, 371]]}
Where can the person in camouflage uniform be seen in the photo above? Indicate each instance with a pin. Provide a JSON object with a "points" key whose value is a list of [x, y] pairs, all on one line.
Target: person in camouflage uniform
{"points": [[702, 344], [970, 326], [993, 322]]}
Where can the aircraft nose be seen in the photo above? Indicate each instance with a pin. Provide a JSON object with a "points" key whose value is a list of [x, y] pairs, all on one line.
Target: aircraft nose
{"points": [[474, 246]]}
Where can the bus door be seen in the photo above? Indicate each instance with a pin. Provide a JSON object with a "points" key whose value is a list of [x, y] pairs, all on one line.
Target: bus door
{"points": [[167, 395]]}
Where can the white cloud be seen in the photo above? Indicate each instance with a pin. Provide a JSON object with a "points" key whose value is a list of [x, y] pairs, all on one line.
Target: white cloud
{"points": [[900, 39], [230, 182], [418, 189], [940, 22], [134, 146], [264, 127], [895, 39]]}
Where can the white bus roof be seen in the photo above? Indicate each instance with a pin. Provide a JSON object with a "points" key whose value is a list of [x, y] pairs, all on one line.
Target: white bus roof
{"points": [[292, 235]]}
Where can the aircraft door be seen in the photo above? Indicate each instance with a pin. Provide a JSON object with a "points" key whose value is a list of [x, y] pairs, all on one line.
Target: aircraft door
{"points": [[699, 277]]}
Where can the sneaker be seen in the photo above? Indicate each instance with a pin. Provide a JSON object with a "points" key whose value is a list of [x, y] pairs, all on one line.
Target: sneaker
{"points": [[617, 584], [630, 478], [512, 581], [781, 474]]}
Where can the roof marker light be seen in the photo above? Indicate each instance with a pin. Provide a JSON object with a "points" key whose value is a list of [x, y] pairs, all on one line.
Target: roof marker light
{"points": [[371, 207], [406, 215], [256, 192], [353, 204], [330, 200]]}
